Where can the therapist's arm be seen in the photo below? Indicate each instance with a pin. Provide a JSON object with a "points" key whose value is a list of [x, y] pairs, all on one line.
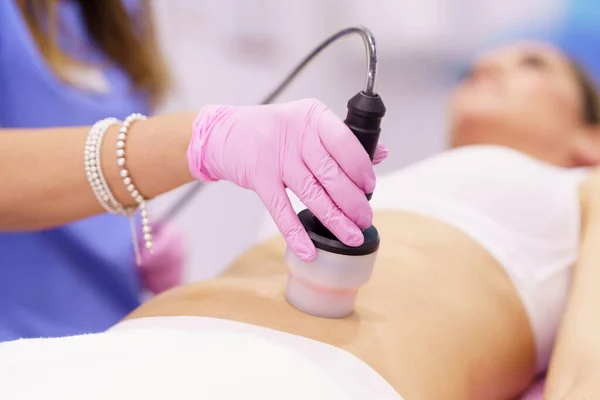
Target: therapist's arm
{"points": [[575, 367], [43, 181]]}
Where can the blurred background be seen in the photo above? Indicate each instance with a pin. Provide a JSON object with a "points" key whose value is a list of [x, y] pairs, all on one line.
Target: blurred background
{"points": [[236, 51]]}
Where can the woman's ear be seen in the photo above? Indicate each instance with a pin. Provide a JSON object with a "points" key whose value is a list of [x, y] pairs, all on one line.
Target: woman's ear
{"points": [[587, 148]]}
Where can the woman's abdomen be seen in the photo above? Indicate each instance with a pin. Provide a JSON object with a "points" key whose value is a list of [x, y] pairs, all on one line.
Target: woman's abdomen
{"points": [[439, 316]]}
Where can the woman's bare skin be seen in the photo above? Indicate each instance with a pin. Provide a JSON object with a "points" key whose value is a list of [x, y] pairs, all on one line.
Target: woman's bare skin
{"points": [[439, 319]]}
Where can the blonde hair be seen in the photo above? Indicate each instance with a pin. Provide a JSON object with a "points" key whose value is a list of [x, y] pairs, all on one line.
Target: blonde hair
{"points": [[129, 42]]}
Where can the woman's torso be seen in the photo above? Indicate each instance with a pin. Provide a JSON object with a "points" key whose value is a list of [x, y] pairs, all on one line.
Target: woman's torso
{"points": [[525, 213], [80, 277], [427, 309]]}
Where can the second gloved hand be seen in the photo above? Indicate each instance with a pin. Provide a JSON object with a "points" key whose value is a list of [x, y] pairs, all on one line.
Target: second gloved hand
{"points": [[300, 145], [164, 268]]}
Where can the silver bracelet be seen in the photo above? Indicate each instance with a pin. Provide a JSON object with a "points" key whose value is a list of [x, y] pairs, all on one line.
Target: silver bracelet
{"points": [[131, 189], [93, 167]]}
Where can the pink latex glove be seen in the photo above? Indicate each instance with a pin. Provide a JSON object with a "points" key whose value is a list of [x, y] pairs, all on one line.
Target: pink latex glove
{"points": [[163, 269], [300, 145]]}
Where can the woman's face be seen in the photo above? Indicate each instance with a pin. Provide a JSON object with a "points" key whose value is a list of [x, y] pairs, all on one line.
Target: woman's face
{"points": [[525, 96]]}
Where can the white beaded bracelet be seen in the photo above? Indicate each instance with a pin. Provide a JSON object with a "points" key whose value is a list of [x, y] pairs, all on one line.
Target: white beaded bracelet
{"points": [[93, 168], [131, 189], [100, 188]]}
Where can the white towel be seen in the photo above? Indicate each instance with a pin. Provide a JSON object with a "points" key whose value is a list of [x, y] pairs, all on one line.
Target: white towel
{"points": [[164, 363]]}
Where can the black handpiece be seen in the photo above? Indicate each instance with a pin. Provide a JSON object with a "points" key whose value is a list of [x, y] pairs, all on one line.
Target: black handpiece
{"points": [[364, 120]]}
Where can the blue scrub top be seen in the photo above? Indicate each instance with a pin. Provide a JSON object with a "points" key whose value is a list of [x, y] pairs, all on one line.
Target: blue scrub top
{"points": [[81, 277]]}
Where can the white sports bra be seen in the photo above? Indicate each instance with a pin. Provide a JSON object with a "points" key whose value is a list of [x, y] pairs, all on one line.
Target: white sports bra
{"points": [[524, 212]]}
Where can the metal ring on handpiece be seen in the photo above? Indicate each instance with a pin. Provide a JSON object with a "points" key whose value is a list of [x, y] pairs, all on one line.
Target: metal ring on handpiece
{"points": [[370, 89]]}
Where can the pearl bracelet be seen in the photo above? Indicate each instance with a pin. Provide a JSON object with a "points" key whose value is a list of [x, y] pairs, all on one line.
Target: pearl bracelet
{"points": [[100, 188], [93, 167], [131, 189]]}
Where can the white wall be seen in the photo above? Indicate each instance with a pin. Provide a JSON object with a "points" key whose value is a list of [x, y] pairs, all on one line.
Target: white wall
{"points": [[235, 51]]}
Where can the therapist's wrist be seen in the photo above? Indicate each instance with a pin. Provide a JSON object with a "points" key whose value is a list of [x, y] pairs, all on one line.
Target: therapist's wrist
{"points": [[155, 153]]}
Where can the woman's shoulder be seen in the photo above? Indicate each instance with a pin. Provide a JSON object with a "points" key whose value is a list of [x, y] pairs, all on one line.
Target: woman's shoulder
{"points": [[591, 179], [589, 189]]}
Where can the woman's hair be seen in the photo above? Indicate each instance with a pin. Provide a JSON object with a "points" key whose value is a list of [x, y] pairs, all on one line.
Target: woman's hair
{"points": [[127, 41], [589, 95]]}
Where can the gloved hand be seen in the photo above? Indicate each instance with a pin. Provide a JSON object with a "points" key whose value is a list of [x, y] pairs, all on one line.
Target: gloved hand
{"points": [[300, 145], [163, 269]]}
